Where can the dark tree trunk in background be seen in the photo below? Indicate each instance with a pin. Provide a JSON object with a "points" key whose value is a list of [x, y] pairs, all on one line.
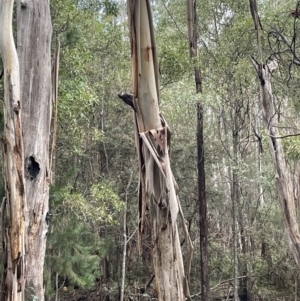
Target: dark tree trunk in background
{"points": [[234, 199], [193, 42], [202, 206]]}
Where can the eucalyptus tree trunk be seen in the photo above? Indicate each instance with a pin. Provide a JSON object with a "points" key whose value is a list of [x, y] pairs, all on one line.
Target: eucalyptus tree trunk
{"points": [[34, 40], [158, 202], [12, 209], [284, 183], [203, 225], [234, 199]]}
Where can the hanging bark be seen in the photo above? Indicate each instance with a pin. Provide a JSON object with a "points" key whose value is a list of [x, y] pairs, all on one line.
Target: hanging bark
{"points": [[34, 39], [158, 201], [193, 43], [12, 209], [284, 183]]}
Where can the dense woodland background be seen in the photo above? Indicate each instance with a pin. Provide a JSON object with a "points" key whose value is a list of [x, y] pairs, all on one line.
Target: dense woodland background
{"points": [[96, 171]]}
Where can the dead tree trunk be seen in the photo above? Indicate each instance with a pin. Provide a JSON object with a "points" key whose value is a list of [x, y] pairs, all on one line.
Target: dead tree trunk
{"points": [[12, 209], [284, 183], [158, 202], [193, 42], [34, 40]]}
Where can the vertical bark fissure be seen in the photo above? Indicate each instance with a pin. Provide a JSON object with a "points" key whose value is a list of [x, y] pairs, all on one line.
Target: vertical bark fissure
{"points": [[193, 43], [13, 160], [34, 41]]}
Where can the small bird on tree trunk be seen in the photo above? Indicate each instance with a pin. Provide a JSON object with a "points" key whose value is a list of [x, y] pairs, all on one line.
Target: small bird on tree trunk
{"points": [[128, 99]]}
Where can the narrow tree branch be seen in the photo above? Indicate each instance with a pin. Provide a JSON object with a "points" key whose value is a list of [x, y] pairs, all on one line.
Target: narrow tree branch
{"points": [[174, 21], [285, 136]]}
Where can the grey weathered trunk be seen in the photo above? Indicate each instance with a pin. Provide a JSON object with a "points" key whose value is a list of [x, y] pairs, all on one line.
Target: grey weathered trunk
{"points": [[284, 183], [34, 40], [12, 209]]}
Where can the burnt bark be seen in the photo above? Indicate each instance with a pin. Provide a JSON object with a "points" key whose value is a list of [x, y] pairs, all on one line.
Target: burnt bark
{"points": [[34, 39]]}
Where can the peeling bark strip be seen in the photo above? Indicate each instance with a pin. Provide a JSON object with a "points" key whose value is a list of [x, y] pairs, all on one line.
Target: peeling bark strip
{"points": [[158, 201], [12, 214], [34, 38], [55, 72], [284, 183]]}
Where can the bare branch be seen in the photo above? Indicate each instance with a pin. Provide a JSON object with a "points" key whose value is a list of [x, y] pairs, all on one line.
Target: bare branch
{"points": [[285, 136], [171, 16]]}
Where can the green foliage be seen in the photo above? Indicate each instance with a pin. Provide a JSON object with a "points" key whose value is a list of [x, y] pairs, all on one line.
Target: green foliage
{"points": [[96, 153], [74, 253], [74, 247], [292, 147], [101, 204]]}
